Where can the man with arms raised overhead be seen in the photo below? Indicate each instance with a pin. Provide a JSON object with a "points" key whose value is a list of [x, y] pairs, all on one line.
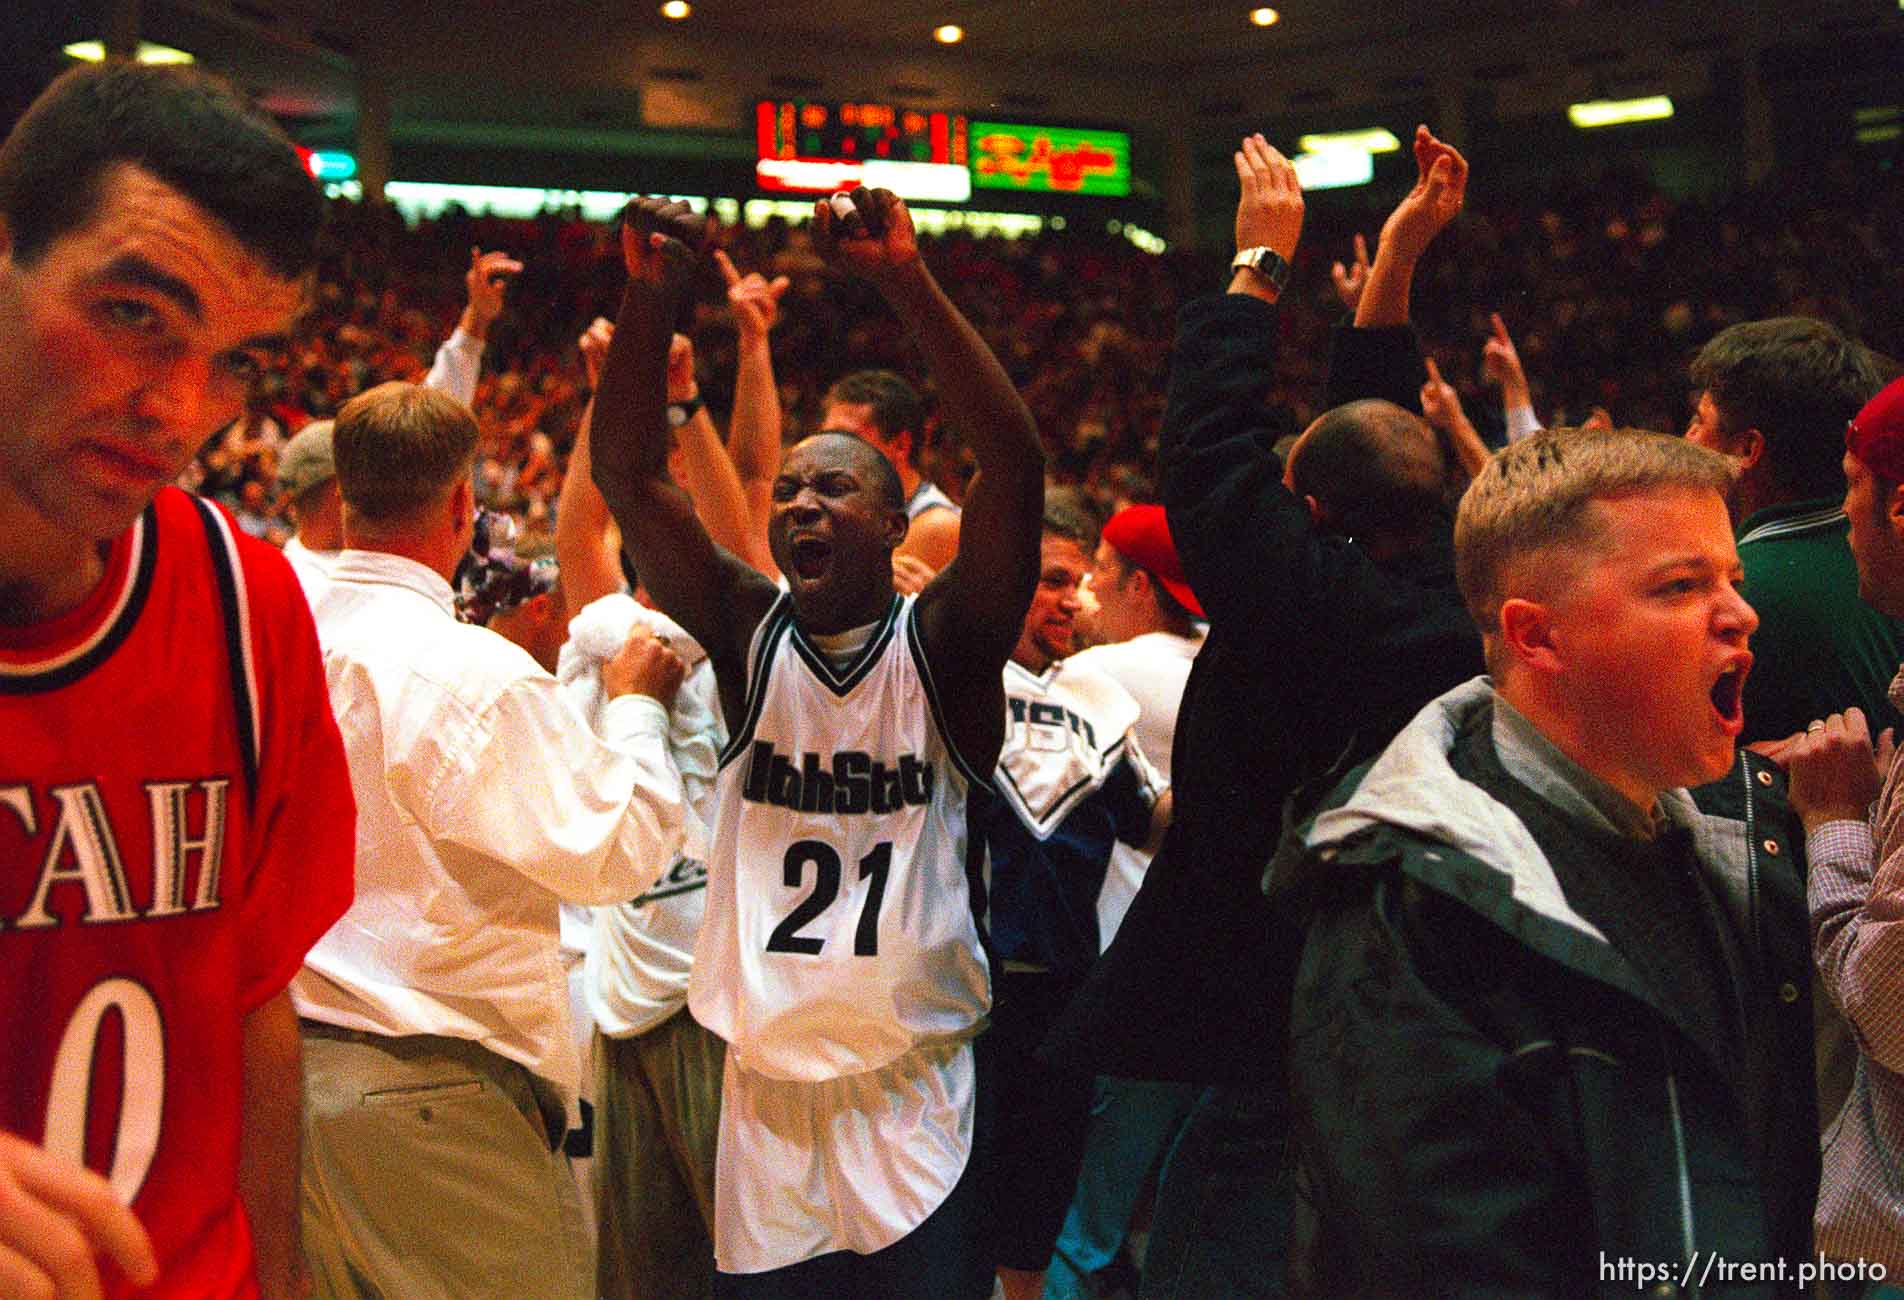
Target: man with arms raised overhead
{"points": [[840, 955], [175, 817], [1550, 1010]]}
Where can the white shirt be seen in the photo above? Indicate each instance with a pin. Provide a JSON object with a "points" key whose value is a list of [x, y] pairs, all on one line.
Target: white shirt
{"points": [[313, 568], [483, 801], [639, 953], [1153, 668], [458, 361]]}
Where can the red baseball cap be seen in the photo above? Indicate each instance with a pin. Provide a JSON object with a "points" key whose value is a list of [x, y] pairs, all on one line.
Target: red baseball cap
{"points": [[1876, 433], [1141, 535]]}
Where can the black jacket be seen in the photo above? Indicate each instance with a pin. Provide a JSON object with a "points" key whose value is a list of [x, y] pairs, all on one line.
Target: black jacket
{"points": [[1485, 1097], [1314, 653]]}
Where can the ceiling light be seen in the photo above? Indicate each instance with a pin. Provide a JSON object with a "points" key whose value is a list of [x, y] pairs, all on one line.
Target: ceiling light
{"points": [[1264, 17], [950, 34], [95, 52], [1615, 112], [676, 9], [1334, 169], [1375, 139]]}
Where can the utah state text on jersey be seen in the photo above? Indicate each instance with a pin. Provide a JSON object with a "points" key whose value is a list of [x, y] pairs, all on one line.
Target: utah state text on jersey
{"points": [[851, 783]]}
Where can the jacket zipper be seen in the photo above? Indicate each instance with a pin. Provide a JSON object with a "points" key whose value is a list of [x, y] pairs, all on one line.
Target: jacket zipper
{"points": [[1752, 859]]}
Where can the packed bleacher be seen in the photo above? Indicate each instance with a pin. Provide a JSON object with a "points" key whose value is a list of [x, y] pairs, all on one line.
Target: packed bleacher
{"points": [[1606, 290]]}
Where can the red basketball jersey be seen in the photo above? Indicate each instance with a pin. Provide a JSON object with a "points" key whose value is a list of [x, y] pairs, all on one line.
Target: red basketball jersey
{"points": [[176, 830]]}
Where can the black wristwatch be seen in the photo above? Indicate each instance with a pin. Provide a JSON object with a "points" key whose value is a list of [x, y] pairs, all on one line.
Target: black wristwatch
{"points": [[1266, 262], [679, 413]]}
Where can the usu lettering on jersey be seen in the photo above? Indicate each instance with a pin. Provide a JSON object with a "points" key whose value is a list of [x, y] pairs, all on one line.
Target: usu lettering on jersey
{"points": [[175, 832], [840, 930]]}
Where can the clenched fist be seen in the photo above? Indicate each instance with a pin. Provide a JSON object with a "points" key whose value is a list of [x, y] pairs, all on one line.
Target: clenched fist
{"points": [[644, 666]]}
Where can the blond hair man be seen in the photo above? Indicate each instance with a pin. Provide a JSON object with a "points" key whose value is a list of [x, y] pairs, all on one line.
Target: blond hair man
{"points": [[1549, 1015]]}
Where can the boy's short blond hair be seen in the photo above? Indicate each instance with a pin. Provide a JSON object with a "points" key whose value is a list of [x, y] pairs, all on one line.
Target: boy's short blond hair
{"points": [[1528, 509]]}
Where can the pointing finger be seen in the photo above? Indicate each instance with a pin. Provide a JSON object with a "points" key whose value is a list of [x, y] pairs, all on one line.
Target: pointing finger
{"points": [[728, 271]]}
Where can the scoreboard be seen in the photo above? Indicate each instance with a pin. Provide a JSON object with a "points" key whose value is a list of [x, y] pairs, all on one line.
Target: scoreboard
{"points": [[812, 147], [796, 129]]}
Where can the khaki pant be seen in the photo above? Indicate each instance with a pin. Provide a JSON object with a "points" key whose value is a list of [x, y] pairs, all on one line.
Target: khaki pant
{"points": [[657, 1112], [428, 1173]]}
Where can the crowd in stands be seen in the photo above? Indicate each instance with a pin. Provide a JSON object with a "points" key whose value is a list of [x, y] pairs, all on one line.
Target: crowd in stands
{"points": [[1615, 278]]}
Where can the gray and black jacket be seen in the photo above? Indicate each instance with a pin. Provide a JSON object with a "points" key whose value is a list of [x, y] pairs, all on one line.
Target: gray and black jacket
{"points": [[1487, 1097]]}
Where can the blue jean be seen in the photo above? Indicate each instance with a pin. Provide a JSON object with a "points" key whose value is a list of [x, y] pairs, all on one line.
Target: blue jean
{"points": [[1134, 1123], [1223, 1205]]}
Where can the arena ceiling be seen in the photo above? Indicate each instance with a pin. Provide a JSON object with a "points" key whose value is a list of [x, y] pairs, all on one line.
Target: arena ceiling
{"points": [[582, 63]]}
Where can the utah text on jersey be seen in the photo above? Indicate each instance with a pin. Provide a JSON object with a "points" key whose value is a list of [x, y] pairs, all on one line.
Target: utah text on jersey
{"points": [[70, 833]]}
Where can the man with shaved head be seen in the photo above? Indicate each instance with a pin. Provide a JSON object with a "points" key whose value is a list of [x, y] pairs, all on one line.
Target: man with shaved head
{"points": [[1329, 586], [840, 956]]}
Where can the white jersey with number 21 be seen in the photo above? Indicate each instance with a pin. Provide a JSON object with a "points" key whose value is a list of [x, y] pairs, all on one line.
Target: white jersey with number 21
{"points": [[839, 932]]}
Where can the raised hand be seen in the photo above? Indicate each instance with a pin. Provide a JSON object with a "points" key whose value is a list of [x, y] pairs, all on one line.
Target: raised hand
{"points": [[754, 299], [1440, 404], [1441, 187], [1269, 209], [1350, 280], [594, 347], [1500, 362], [681, 384], [486, 281], [659, 240], [868, 232]]}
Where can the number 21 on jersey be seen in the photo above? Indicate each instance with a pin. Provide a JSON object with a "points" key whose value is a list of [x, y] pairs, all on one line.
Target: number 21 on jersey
{"points": [[873, 869]]}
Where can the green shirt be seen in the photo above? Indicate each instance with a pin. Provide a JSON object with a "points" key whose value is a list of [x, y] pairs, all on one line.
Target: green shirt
{"points": [[1819, 649]]}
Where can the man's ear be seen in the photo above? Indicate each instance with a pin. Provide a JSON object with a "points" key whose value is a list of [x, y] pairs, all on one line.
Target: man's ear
{"points": [[1751, 449], [462, 505], [897, 526], [1317, 515], [1527, 635], [901, 443], [1894, 511]]}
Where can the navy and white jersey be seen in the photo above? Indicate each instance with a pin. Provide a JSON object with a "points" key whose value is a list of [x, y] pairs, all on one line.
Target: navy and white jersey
{"points": [[840, 932], [1072, 781], [928, 496]]}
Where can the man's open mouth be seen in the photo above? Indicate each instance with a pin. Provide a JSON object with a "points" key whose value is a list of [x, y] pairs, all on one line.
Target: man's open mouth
{"points": [[1728, 694], [811, 557]]}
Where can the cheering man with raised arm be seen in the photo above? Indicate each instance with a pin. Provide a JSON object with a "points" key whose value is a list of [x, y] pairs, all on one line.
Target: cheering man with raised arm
{"points": [[840, 955]]}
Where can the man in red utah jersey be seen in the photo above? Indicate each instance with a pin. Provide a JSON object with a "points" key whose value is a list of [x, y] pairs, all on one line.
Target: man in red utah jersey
{"points": [[175, 814]]}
